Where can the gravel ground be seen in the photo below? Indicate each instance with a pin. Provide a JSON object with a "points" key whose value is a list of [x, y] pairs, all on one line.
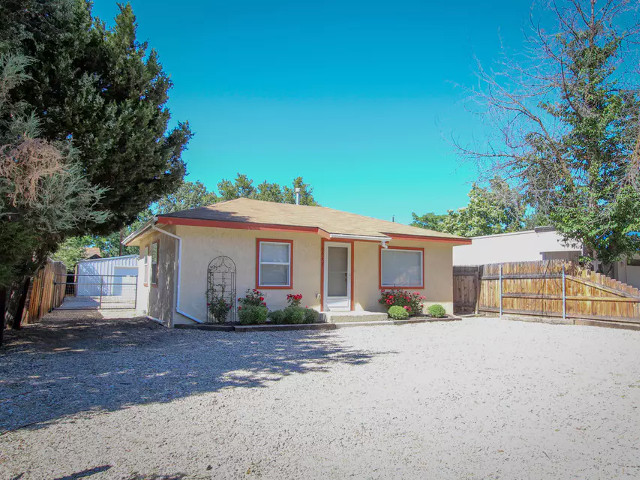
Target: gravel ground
{"points": [[480, 398]]}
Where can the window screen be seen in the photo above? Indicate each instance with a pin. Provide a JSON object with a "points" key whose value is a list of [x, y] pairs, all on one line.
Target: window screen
{"points": [[154, 263], [401, 268], [275, 264]]}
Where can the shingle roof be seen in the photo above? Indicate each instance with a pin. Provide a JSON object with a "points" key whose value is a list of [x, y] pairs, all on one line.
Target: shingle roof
{"points": [[332, 221]]}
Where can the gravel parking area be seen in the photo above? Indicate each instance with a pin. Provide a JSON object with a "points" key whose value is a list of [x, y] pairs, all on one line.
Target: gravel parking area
{"points": [[480, 398]]}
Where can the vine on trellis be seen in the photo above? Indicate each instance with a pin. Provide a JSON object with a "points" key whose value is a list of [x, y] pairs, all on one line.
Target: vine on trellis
{"points": [[221, 290]]}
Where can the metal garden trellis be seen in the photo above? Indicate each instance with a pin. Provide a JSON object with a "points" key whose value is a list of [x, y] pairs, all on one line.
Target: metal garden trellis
{"points": [[221, 283]]}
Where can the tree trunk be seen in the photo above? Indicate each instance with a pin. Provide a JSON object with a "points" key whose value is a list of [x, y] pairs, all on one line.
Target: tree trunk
{"points": [[17, 320], [3, 305]]}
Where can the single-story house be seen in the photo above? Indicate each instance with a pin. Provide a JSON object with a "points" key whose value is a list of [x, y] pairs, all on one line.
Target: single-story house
{"points": [[542, 243], [338, 261]]}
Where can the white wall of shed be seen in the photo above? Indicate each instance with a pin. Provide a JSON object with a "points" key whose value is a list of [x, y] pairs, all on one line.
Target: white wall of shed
{"points": [[515, 247], [90, 273]]}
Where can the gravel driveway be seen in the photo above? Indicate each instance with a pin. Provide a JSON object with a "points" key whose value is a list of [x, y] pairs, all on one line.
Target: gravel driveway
{"points": [[480, 398]]}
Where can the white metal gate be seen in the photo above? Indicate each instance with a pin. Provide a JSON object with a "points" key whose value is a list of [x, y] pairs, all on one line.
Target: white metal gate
{"points": [[90, 291]]}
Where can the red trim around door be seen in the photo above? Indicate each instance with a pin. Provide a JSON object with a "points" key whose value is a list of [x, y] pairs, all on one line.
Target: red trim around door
{"points": [[353, 276]]}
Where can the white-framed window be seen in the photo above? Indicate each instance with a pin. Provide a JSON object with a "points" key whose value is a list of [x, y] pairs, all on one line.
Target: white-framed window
{"points": [[402, 267], [274, 263], [146, 265]]}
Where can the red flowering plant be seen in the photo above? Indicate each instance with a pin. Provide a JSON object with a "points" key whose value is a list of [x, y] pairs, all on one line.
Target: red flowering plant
{"points": [[252, 298], [410, 301], [293, 299], [219, 309]]}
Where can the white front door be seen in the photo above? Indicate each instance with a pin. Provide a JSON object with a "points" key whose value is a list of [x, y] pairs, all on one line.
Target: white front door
{"points": [[337, 276]]}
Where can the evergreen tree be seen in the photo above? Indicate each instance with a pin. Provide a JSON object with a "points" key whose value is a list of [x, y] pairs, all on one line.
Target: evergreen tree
{"points": [[104, 91]]}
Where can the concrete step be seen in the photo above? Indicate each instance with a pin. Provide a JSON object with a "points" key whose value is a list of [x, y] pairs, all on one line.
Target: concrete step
{"points": [[354, 317]]}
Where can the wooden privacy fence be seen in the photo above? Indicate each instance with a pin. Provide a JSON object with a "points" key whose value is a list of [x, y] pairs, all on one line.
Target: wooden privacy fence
{"points": [[43, 294], [553, 288]]}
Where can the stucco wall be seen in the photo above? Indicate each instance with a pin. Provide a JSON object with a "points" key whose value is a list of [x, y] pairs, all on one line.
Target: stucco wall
{"points": [[158, 300], [438, 274], [200, 245]]}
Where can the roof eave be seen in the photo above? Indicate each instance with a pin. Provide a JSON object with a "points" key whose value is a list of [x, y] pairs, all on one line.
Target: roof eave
{"points": [[431, 238], [131, 237]]}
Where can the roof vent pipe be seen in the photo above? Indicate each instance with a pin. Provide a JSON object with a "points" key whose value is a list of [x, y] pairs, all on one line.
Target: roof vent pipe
{"points": [[297, 192]]}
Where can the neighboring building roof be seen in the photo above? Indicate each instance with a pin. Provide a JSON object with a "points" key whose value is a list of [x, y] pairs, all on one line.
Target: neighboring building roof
{"points": [[92, 253], [113, 259], [256, 214]]}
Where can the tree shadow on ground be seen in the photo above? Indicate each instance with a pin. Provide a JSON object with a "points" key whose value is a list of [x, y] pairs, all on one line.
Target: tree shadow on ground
{"points": [[65, 366]]}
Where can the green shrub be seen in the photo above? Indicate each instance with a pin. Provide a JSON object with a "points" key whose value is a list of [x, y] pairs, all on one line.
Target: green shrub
{"points": [[277, 316], [294, 315], [398, 313], [437, 311], [252, 314], [311, 315]]}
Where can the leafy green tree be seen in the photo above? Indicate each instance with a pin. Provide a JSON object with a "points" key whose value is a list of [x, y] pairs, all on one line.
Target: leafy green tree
{"points": [[104, 91], [430, 221], [306, 193], [498, 209], [568, 122], [242, 186], [188, 195]]}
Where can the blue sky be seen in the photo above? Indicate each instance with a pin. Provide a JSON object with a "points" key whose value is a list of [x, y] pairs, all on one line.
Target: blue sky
{"points": [[359, 98]]}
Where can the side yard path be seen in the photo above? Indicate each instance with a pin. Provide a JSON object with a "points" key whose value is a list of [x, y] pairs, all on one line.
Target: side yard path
{"points": [[481, 398]]}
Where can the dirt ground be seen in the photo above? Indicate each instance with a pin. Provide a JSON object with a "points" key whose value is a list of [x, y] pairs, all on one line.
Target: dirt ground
{"points": [[480, 398]]}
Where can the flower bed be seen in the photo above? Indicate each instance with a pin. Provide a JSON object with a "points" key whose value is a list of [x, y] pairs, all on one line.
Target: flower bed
{"points": [[410, 301]]}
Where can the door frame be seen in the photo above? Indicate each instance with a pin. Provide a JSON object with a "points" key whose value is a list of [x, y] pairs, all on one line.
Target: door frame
{"points": [[325, 244]]}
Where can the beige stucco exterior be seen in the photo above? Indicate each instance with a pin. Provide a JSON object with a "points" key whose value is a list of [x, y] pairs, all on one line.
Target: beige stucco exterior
{"points": [[201, 244]]}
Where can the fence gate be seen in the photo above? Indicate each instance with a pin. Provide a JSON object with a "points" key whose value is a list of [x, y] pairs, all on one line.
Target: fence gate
{"points": [[97, 291], [466, 288]]}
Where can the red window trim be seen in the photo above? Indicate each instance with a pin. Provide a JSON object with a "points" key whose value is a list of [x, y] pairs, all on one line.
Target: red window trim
{"points": [[274, 240], [353, 275], [420, 287], [157, 242]]}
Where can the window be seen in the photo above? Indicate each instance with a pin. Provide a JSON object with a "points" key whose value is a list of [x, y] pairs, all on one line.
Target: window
{"points": [[154, 263], [274, 263], [146, 265], [401, 267]]}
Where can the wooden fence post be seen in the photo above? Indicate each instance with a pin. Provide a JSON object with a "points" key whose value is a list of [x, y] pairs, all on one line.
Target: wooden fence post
{"points": [[500, 280], [564, 292], [477, 285]]}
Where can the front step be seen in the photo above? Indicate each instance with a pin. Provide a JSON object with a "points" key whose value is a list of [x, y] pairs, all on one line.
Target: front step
{"points": [[354, 317]]}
